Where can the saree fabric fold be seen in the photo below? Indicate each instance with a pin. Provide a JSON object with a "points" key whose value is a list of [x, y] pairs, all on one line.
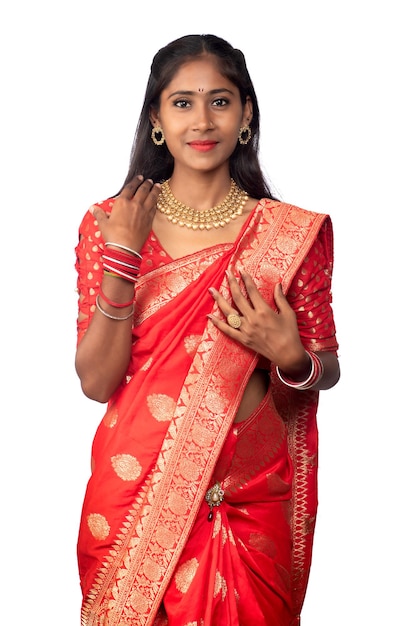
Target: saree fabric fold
{"points": [[147, 552]]}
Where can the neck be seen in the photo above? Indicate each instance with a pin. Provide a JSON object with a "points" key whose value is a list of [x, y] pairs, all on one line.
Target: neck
{"points": [[216, 216], [200, 191]]}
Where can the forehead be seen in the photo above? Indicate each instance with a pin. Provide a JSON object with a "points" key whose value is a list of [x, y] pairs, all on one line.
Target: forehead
{"points": [[202, 74]]}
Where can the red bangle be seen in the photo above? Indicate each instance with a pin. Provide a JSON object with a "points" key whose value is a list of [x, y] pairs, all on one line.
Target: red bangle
{"points": [[117, 305], [123, 265], [127, 260], [317, 370]]}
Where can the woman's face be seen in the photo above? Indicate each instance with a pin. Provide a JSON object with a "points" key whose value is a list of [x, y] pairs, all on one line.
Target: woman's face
{"points": [[201, 113]]}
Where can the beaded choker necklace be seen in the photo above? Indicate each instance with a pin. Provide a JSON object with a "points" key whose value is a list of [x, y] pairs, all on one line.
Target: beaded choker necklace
{"points": [[216, 217]]}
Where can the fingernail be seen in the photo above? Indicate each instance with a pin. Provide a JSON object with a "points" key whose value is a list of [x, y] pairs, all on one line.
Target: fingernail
{"points": [[211, 291]]}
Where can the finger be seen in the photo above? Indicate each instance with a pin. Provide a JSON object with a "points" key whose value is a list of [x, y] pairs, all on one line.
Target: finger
{"points": [[239, 298], [132, 187], [226, 328], [100, 216], [154, 190], [147, 193], [253, 294], [224, 306], [279, 297]]}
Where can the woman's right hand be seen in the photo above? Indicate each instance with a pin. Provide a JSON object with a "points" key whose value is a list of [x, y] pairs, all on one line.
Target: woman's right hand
{"points": [[132, 214], [104, 352]]}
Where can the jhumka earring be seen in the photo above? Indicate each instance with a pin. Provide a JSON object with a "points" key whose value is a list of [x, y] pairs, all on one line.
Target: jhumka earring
{"points": [[157, 135], [244, 135]]}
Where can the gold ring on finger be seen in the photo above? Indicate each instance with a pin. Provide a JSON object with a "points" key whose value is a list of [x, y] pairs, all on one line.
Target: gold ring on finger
{"points": [[234, 320]]}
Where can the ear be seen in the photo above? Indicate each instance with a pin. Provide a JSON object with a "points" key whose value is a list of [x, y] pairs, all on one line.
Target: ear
{"points": [[247, 113], [153, 117]]}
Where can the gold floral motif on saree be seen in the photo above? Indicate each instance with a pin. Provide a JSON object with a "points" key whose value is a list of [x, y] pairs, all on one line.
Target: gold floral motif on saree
{"points": [[185, 574], [126, 466], [98, 525]]}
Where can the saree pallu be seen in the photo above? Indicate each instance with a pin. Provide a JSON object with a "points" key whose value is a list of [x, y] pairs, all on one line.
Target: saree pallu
{"points": [[145, 546]]}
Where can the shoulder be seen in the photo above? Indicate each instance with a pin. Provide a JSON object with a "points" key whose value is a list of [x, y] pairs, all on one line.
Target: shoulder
{"points": [[296, 220], [88, 222], [280, 207]]}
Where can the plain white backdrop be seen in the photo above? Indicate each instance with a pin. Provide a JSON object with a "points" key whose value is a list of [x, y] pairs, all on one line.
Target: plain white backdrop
{"points": [[336, 83]]}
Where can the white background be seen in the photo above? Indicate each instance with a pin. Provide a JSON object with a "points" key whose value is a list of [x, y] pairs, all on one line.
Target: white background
{"points": [[337, 87]]}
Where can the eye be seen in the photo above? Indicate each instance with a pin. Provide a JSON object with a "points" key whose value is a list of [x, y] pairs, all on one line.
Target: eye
{"points": [[181, 104], [220, 102]]}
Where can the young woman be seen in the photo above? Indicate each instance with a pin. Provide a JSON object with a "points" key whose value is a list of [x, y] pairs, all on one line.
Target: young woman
{"points": [[205, 324]]}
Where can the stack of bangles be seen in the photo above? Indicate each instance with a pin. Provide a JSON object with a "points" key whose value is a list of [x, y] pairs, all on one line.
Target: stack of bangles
{"points": [[317, 370], [121, 263]]}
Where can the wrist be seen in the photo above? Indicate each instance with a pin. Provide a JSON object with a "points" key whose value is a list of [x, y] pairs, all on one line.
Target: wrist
{"points": [[316, 370], [299, 367]]}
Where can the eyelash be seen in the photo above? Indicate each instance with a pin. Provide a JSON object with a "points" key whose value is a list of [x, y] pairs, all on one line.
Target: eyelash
{"points": [[183, 104]]}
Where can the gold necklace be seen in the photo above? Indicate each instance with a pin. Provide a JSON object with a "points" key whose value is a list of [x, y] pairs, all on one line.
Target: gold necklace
{"points": [[216, 217]]}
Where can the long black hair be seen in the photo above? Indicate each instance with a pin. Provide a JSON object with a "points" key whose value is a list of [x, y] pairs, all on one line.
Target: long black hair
{"points": [[156, 162]]}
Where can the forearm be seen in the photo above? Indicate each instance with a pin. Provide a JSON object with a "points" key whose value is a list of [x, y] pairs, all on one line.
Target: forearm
{"points": [[104, 352], [319, 371], [331, 372]]}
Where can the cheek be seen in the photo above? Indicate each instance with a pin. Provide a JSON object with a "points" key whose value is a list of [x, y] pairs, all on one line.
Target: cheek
{"points": [[172, 133]]}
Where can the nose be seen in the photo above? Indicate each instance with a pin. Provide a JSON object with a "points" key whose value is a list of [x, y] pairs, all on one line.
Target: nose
{"points": [[202, 120]]}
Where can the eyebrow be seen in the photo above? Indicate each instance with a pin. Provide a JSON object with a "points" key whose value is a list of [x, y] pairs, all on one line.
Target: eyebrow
{"points": [[213, 92]]}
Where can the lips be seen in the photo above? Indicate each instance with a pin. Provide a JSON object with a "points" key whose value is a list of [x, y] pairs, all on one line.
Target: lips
{"points": [[203, 146]]}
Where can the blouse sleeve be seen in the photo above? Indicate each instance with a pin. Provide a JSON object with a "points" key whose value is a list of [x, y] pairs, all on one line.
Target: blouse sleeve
{"points": [[310, 295], [89, 269]]}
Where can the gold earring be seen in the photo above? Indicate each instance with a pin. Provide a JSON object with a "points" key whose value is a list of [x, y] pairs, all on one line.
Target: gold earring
{"points": [[244, 135], [157, 135]]}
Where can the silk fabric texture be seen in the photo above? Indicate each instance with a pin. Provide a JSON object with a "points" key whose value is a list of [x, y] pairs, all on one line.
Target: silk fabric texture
{"points": [[147, 552]]}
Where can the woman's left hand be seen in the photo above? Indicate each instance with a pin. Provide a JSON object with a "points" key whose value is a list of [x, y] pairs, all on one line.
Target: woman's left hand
{"points": [[273, 334]]}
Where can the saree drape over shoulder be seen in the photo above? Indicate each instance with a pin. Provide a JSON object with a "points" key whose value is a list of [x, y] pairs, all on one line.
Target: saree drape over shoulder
{"points": [[149, 552]]}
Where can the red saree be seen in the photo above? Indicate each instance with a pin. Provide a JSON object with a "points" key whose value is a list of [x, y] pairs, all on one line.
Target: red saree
{"points": [[147, 552]]}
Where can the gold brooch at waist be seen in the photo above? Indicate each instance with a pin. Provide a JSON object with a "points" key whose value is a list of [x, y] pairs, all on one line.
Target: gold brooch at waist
{"points": [[214, 497]]}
